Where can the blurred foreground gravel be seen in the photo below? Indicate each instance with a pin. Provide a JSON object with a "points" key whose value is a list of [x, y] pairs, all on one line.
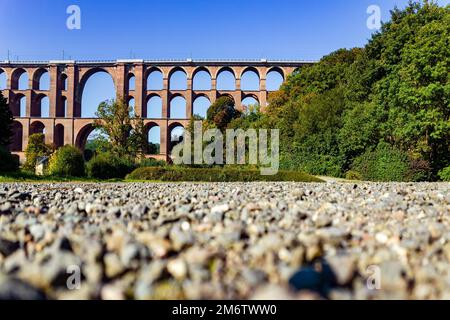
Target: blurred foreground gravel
{"points": [[225, 241]]}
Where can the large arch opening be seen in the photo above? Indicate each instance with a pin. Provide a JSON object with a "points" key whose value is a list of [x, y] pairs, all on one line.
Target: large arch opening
{"points": [[178, 80], [154, 107], [59, 136], [19, 80], [154, 139], [202, 80], [37, 127], [177, 108], [274, 79], [201, 106], [250, 80], [17, 137], [96, 87], [155, 80], [176, 134], [3, 80], [41, 108], [226, 80], [41, 80]]}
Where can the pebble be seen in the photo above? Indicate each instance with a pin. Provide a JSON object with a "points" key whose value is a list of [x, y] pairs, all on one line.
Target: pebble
{"points": [[262, 240]]}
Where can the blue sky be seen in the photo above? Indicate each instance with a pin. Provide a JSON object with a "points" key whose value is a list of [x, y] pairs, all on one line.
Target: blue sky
{"points": [[274, 29], [180, 29]]}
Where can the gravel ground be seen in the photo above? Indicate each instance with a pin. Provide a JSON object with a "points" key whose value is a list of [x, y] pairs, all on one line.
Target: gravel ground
{"points": [[225, 241]]}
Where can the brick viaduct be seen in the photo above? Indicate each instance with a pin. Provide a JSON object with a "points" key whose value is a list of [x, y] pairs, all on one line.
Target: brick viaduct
{"points": [[64, 123]]}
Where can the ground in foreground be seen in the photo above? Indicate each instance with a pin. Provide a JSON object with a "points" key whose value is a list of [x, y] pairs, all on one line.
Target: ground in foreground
{"points": [[225, 240]]}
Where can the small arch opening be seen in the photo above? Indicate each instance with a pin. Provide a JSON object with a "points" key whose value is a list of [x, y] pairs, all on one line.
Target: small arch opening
{"points": [[202, 81], [226, 81], [274, 80], [178, 80], [178, 108], [154, 107], [201, 106], [155, 80], [250, 81]]}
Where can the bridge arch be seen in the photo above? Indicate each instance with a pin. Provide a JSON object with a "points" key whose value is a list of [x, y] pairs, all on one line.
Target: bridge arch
{"points": [[41, 80], [154, 79], [89, 97], [154, 106], [17, 137], [19, 79], [3, 79], [37, 127], [177, 107], [178, 79], [175, 132], [41, 107], [63, 82], [226, 79], [58, 139], [202, 80], [83, 134], [274, 78], [250, 79]]}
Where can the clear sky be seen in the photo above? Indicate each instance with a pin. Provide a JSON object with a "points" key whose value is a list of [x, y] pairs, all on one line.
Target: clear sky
{"points": [[180, 29], [273, 29]]}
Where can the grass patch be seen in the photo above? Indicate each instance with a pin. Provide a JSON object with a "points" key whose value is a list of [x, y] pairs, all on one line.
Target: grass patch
{"points": [[214, 175]]}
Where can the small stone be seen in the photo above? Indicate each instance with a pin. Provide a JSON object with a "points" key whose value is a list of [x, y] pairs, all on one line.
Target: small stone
{"points": [[8, 247], [177, 268]]}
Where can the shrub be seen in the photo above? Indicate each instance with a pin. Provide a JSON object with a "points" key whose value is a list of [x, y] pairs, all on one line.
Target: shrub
{"points": [[150, 162], [419, 170], [109, 166], [385, 163], [36, 148], [444, 174], [215, 175], [8, 161], [67, 162], [353, 175]]}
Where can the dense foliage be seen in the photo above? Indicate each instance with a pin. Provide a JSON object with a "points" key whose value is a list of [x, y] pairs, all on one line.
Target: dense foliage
{"points": [[36, 148], [215, 175], [383, 110], [109, 166], [8, 162], [6, 121], [67, 161], [127, 135]]}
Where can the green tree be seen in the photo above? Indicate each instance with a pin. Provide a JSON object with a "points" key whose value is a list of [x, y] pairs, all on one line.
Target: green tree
{"points": [[114, 120], [6, 122], [222, 112], [36, 148]]}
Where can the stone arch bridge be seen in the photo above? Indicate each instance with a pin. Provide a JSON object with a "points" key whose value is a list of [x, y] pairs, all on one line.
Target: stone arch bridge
{"points": [[64, 123]]}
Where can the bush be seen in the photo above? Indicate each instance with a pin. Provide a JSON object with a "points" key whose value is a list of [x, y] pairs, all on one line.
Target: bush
{"points": [[8, 161], [353, 175], [109, 166], [36, 148], [385, 163], [444, 174], [150, 162], [215, 175], [67, 162]]}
